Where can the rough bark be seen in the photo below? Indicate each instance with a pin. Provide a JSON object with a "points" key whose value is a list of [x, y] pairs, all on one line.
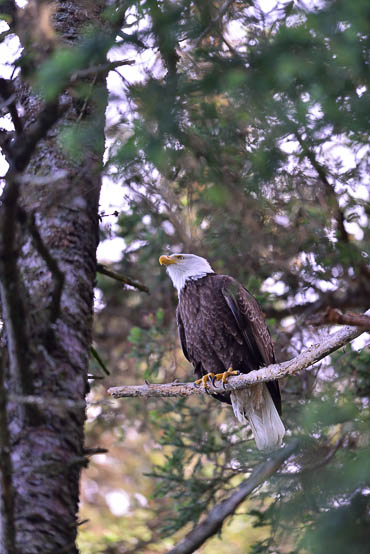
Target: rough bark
{"points": [[49, 235]]}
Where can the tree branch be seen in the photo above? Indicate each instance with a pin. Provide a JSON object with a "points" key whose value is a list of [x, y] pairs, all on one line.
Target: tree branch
{"points": [[101, 69], [355, 296], [313, 354], [100, 268], [97, 357], [213, 522], [335, 316]]}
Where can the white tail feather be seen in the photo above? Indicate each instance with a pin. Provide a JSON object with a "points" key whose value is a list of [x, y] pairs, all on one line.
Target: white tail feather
{"points": [[256, 406]]}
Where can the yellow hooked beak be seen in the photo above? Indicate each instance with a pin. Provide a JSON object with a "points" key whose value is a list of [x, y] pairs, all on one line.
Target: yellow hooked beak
{"points": [[167, 260]]}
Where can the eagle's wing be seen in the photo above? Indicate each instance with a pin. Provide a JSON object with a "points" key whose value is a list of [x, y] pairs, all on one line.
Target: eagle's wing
{"points": [[197, 366], [251, 323], [180, 327]]}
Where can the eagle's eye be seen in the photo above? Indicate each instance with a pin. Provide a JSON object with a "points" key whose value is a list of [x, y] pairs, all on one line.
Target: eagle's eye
{"points": [[179, 257]]}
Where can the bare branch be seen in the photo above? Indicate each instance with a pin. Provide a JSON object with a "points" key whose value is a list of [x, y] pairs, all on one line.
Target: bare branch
{"points": [[214, 521], [335, 316], [122, 278], [313, 354], [101, 69], [95, 354], [356, 296], [94, 451]]}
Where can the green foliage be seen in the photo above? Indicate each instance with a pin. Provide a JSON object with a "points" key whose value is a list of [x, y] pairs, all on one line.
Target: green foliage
{"points": [[55, 73], [254, 153], [199, 460], [148, 346], [343, 529]]}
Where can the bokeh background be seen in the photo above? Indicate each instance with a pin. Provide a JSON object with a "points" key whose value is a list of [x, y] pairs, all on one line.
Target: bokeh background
{"points": [[239, 131]]}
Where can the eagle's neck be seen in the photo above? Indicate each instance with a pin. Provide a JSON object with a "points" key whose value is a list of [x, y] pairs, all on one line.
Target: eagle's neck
{"points": [[183, 282], [180, 278]]}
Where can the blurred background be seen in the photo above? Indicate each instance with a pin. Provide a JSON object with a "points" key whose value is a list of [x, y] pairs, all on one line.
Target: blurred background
{"points": [[238, 131], [241, 134]]}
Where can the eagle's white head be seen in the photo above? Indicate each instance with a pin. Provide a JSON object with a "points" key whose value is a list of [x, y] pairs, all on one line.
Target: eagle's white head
{"points": [[181, 267]]}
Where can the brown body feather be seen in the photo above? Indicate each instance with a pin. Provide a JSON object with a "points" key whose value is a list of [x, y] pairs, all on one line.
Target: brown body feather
{"points": [[221, 325]]}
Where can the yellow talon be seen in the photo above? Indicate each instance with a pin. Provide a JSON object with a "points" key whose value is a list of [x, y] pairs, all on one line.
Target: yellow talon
{"points": [[218, 377], [223, 376], [204, 379]]}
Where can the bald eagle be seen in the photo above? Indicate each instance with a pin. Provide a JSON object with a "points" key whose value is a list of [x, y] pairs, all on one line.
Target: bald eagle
{"points": [[223, 332]]}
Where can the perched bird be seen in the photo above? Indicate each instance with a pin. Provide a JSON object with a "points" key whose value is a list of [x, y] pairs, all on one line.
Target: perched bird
{"points": [[223, 332]]}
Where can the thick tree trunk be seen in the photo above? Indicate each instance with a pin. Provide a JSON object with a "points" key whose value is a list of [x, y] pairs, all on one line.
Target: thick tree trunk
{"points": [[48, 240]]}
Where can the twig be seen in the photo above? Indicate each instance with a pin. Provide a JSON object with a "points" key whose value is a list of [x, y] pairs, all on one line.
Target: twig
{"points": [[216, 517], [335, 316], [122, 278], [313, 354], [95, 354], [95, 450], [99, 69]]}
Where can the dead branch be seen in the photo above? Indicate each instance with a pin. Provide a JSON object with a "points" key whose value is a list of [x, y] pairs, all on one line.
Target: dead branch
{"points": [[95, 354], [313, 354], [101, 69], [214, 521], [122, 278], [335, 316], [355, 296]]}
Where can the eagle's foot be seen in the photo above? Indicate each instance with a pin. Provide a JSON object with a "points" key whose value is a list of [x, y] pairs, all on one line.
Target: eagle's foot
{"points": [[203, 381], [223, 376]]}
